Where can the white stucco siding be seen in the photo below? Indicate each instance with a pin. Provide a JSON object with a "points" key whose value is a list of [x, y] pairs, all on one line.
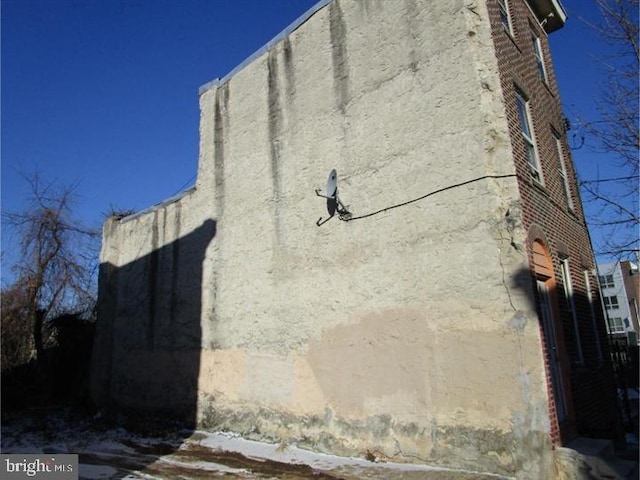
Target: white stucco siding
{"points": [[408, 328]]}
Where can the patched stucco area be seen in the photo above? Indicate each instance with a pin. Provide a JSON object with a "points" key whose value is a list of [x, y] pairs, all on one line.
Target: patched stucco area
{"points": [[409, 333]]}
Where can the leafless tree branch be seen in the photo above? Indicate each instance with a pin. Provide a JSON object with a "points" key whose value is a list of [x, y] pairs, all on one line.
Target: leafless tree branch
{"points": [[615, 134], [58, 254]]}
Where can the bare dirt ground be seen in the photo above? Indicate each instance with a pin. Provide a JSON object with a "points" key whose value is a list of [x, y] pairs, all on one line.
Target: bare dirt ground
{"points": [[108, 453]]}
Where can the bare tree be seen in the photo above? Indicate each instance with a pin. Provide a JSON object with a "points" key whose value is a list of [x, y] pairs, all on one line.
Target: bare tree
{"points": [[614, 198], [58, 256], [16, 341]]}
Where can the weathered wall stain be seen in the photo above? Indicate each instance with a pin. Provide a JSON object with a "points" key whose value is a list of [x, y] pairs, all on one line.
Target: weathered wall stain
{"points": [[221, 127], [221, 104], [175, 265], [152, 282], [339, 56], [275, 138], [289, 70], [414, 32], [349, 361]]}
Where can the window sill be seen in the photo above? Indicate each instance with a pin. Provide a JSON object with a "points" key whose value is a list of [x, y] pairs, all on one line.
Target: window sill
{"points": [[538, 184]]}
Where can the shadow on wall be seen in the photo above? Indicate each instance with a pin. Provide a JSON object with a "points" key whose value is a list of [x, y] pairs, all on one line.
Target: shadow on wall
{"points": [[72, 358], [578, 359], [146, 357]]}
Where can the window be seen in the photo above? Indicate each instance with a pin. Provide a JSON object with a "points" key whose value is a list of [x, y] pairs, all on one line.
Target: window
{"points": [[527, 135], [616, 325], [606, 281], [611, 303], [563, 172], [537, 52], [571, 306], [505, 18]]}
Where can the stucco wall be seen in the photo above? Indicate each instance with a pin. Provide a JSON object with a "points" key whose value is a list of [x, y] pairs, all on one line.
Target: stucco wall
{"points": [[410, 333]]}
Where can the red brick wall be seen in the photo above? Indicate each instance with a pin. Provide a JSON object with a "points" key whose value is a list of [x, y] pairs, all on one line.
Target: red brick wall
{"points": [[545, 210]]}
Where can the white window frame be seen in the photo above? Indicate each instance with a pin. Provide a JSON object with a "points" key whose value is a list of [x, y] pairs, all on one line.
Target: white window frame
{"points": [[538, 53], [616, 325], [565, 270], [505, 16], [526, 130], [563, 173], [606, 281], [609, 303]]}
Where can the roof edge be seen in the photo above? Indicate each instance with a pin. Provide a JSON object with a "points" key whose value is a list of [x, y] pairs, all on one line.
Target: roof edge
{"points": [[158, 206], [265, 48]]}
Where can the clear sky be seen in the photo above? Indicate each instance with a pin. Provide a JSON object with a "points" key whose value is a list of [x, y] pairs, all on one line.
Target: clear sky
{"points": [[104, 93], [581, 62]]}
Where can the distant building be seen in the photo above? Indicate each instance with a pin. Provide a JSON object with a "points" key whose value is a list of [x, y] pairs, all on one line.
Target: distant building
{"points": [[451, 318], [620, 287]]}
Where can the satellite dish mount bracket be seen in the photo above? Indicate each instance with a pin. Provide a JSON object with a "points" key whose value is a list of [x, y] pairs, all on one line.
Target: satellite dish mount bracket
{"points": [[333, 201]]}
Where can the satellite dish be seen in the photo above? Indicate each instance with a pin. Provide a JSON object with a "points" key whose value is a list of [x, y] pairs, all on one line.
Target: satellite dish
{"points": [[332, 184], [333, 201]]}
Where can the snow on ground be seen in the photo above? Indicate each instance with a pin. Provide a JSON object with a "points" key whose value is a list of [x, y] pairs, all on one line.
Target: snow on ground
{"points": [[222, 441], [116, 453]]}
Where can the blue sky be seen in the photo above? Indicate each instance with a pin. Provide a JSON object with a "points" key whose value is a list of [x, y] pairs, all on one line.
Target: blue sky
{"points": [[104, 93]]}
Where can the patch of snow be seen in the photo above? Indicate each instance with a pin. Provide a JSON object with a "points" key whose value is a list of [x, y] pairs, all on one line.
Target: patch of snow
{"points": [[223, 441], [203, 465]]}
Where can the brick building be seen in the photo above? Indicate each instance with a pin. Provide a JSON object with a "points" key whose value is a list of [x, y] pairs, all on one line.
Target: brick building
{"points": [[558, 243], [631, 276], [449, 319], [620, 290]]}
